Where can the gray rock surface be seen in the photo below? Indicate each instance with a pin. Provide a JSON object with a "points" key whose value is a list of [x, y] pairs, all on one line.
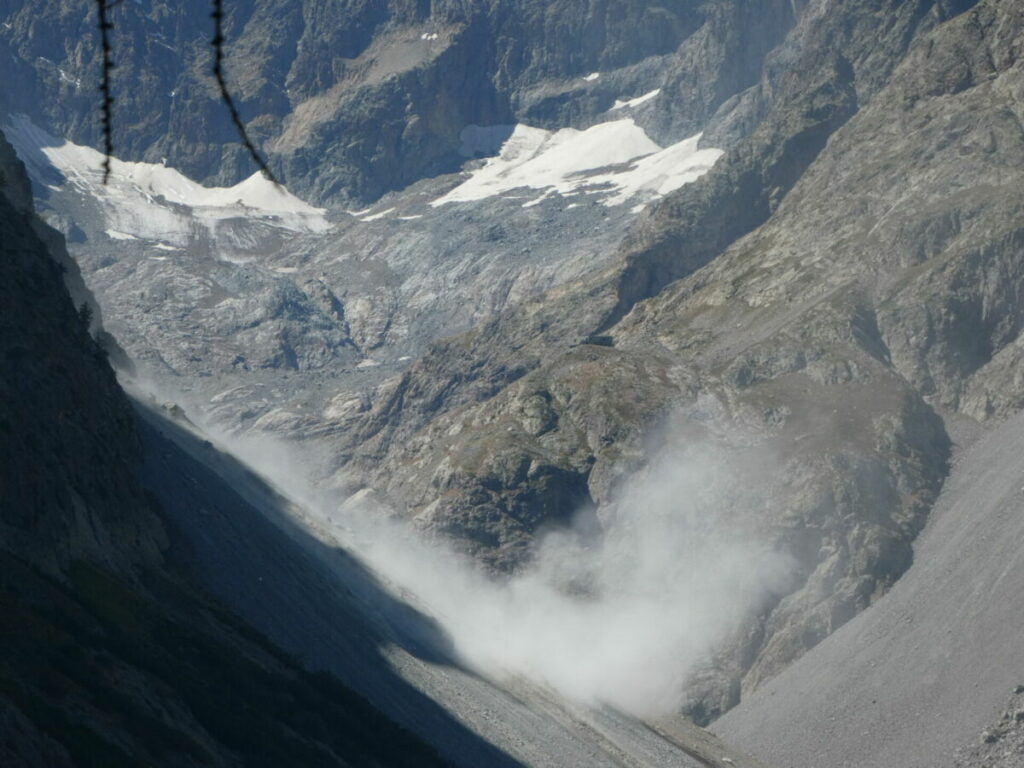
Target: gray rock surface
{"points": [[1001, 744]]}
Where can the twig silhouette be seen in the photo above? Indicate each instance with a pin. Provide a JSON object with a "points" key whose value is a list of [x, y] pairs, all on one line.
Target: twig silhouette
{"points": [[107, 107], [106, 26], [218, 73]]}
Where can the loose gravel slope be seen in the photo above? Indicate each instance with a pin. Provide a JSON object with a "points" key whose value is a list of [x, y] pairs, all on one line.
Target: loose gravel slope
{"points": [[922, 674]]}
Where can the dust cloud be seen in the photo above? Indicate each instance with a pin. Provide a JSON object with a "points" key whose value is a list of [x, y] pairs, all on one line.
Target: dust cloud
{"points": [[618, 614]]}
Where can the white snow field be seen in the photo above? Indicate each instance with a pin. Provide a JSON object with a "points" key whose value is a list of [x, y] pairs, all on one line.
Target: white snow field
{"points": [[616, 161], [149, 201]]}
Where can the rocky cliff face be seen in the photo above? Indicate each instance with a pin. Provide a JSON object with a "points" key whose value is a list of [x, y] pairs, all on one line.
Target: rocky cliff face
{"points": [[70, 447]]}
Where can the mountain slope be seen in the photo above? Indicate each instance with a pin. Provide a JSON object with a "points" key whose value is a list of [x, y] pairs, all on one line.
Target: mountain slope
{"points": [[925, 672], [111, 658], [830, 332], [117, 653], [70, 445], [353, 100], [252, 546], [814, 308]]}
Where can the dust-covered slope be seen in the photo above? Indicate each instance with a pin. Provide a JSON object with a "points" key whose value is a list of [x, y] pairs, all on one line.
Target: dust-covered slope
{"points": [[929, 670], [248, 543]]}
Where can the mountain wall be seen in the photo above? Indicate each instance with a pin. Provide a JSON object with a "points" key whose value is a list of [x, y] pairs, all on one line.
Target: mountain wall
{"points": [[70, 446]]}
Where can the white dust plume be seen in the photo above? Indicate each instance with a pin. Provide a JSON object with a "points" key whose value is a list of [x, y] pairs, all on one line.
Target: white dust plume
{"points": [[618, 616]]}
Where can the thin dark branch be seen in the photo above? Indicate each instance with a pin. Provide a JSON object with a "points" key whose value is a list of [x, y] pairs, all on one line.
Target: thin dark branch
{"points": [[107, 107], [218, 73]]}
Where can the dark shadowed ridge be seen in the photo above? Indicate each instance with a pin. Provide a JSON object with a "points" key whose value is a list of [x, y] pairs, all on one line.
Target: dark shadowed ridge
{"points": [[113, 654]]}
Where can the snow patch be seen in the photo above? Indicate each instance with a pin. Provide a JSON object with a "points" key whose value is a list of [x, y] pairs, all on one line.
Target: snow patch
{"points": [[665, 171], [65, 77], [629, 104], [616, 160], [377, 216], [156, 202], [113, 234]]}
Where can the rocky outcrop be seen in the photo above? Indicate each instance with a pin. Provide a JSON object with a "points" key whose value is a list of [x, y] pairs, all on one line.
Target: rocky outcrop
{"points": [[694, 225], [70, 447]]}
